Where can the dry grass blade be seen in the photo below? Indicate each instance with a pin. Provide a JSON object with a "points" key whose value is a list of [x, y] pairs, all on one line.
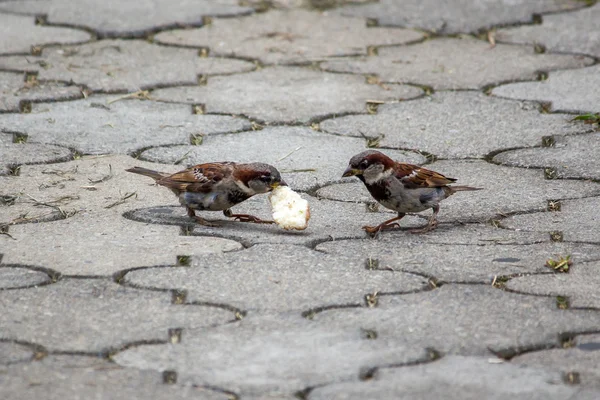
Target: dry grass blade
{"points": [[140, 94], [122, 199], [104, 178], [290, 153]]}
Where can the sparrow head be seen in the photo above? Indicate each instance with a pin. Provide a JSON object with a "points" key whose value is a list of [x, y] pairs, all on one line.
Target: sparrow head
{"points": [[369, 166], [259, 177]]}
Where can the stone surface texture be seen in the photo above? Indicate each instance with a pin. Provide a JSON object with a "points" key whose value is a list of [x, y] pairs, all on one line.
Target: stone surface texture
{"points": [[280, 37], [573, 32], [456, 16], [122, 65], [456, 63], [287, 95], [113, 19], [565, 91], [18, 39], [110, 290]]}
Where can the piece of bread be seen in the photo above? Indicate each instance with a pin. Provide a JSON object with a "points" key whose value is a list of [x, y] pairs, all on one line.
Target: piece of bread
{"points": [[290, 211]]}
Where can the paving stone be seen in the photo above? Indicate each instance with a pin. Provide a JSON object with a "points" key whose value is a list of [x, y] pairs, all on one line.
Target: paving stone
{"points": [[567, 91], [89, 238], [577, 221], [456, 63], [465, 320], [457, 15], [92, 126], [573, 32], [14, 277], [287, 95], [14, 154], [14, 91], [93, 315], [303, 156], [95, 244], [456, 125], [112, 18], [80, 377], [270, 355], [580, 285], [583, 357], [478, 263], [123, 65], [20, 33], [330, 220], [569, 157], [454, 377], [277, 278], [519, 190], [292, 36], [10, 353]]}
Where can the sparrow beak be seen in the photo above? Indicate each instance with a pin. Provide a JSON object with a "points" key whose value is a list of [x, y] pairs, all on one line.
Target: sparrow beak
{"points": [[277, 184], [351, 172]]}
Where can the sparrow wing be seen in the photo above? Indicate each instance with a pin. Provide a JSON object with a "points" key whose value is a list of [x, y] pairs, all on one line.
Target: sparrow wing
{"points": [[199, 178], [413, 176]]}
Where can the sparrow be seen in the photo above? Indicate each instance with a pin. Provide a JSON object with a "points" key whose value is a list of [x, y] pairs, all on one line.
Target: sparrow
{"points": [[217, 186], [401, 187]]}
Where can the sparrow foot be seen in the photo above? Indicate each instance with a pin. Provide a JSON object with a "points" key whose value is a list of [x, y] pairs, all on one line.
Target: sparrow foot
{"points": [[246, 218], [204, 222], [427, 228], [381, 227]]}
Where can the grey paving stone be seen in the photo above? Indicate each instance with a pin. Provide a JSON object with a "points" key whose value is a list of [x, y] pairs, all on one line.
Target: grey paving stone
{"points": [[95, 244], [123, 65], [11, 352], [454, 377], [583, 357], [518, 190], [277, 278], [577, 221], [14, 91], [570, 157], [89, 238], [92, 126], [79, 378], [456, 125], [465, 319], [456, 63], [580, 285], [329, 221], [305, 158], [570, 91], [457, 15], [15, 154], [291, 36], [573, 32], [93, 315], [111, 19], [13, 277], [270, 355], [20, 33], [287, 95], [477, 263]]}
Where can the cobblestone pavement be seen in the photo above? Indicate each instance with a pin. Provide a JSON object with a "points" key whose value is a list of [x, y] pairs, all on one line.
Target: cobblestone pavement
{"points": [[109, 291]]}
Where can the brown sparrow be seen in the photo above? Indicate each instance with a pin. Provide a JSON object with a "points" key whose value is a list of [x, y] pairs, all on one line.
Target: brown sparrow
{"points": [[401, 187], [217, 186]]}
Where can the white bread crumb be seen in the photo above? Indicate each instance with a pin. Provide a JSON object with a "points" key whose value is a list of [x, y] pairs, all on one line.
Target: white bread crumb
{"points": [[290, 211]]}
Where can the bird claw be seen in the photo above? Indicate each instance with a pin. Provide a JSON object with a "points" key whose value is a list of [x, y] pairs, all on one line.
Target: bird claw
{"points": [[204, 222], [374, 229], [427, 228], [250, 218]]}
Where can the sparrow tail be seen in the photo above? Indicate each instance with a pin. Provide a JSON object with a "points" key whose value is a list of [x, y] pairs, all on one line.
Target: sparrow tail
{"points": [[463, 188], [147, 172]]}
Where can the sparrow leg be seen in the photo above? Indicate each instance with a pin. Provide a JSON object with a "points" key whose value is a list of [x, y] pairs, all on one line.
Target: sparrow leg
{"points": [[384, 225], [198, 219], [432, 224], [246, 217]]}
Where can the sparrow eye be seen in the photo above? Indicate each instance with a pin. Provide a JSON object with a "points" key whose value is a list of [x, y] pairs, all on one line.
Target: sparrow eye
{"points": [[266, 178], [364, 164]]}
